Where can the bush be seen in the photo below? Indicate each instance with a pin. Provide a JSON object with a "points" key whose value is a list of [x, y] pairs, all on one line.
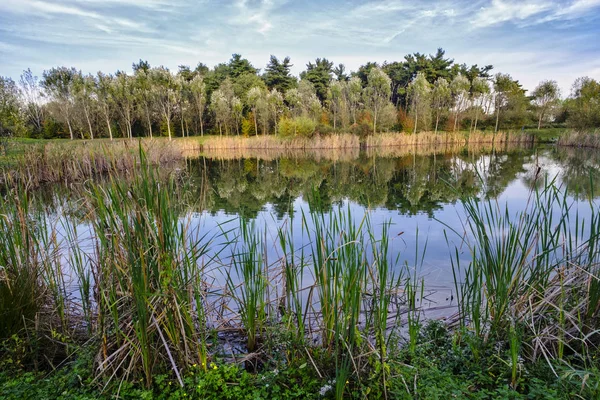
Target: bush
{"points": [[363, 129], [299, 126], [323, 130]]}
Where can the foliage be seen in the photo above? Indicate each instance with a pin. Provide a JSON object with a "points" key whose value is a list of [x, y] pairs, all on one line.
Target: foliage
{"points": [[298, 126]]}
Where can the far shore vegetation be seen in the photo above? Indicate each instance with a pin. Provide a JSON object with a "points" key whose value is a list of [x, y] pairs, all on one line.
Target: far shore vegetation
{"points": [[421, 93]]}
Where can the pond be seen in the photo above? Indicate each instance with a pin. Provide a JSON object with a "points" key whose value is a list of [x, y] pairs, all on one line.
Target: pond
{"points": [[417, 194]]}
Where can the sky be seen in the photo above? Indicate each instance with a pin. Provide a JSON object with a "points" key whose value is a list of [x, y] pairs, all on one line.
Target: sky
{"points": [[530, 39]]}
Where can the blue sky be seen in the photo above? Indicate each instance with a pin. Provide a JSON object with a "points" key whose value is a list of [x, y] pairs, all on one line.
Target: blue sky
{"points": [[530, 39]]}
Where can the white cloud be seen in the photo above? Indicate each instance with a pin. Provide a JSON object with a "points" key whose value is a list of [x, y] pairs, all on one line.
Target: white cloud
{"points": [[536, 12], [502, 11]]}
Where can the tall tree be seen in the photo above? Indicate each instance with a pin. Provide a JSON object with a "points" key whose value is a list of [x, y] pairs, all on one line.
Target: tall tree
{"points": [[32, 98], [277, 74], [58, 85], [198, 90], [253, 99], [460, 92], [419, 92], [353, 94], [545, 96], [442, 96], [238, 66], [335, 97], [480, 90], [275, 101], [124, 97], [319, 74], [340, 73], [144, 96], [584, 105], [165, 91], [104, 93], [83, 92], [10, 118], [377, 93], [503, 86]]}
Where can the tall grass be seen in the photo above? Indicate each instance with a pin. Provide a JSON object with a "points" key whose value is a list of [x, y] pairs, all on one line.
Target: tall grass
{"points": [[335, 141], [580, 139], [533, 277], [447, 139], [77, 162]]}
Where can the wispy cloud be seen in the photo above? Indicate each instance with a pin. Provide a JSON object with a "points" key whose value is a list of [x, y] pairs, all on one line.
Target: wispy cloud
{"points": [[110, 34]]}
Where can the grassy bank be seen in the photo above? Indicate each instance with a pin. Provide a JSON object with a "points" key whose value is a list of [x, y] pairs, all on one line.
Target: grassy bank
{"points": [[149, 304]]}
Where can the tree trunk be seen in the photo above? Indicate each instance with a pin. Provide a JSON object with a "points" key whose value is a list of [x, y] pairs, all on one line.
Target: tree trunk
{"points": [[455, 121], [201, 126], [109, 128], [437, 120], [374, 122], [334, 118], [87, 117], [497, 119], [70, 129], [416, 122], [169, 128], [149, 122], [255, 123], [476, 118], [540, 121]]}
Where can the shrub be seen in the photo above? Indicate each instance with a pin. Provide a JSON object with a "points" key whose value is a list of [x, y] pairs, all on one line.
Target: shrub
{"points": [[299, 126]]}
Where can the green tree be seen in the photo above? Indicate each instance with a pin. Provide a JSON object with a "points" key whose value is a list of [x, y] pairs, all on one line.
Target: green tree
{"points": [[104, 94], [442, 96], [276, 105], [83, 93], [584, 104], [353, 93], [165, 91], [198, 92], [319, 74], [419, 92], [335, 98], [254, 98], [545, 96], [238, 66], [480, 90], [277, 75], [58, 86], [10, 112], [460, 92], [144, 95], [31, 96], [377, 93], [124, 97]]}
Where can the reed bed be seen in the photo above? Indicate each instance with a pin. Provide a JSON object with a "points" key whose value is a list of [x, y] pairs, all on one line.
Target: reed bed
{"points": [[335, 141], [580, 139], [68, 162], [533, 280], [344, 154], [459, 139]]}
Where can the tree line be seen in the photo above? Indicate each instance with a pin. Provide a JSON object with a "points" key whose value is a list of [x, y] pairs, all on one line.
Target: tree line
{"points": [[420, 93]]}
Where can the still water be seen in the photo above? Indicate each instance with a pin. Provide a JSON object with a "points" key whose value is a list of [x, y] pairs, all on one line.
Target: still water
{"points": [[418, 194]]}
